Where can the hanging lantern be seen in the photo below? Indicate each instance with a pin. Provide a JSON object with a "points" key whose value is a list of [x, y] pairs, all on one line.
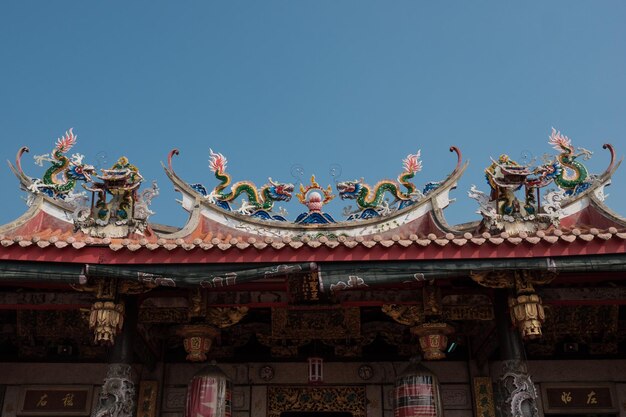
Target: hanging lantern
{"points": [[106, 319], [433, 339], [527, 314], [316, 370], [209, 394], [197, 340], [417, 393]]}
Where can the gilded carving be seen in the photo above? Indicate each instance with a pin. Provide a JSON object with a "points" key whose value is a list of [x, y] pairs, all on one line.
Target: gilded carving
{"points": [[468, 312], [527, 313], [282, 348], [595, 327], [526, 309], [38, 329], [521, 280], [222, 317], [106, 319], [409, 315], [162, 315], [432, 300], [109, 288], [349, 399], [316, 324]]}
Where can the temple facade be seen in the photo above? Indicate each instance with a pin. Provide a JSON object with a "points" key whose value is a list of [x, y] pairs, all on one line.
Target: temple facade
{"points": [[247, 311]]}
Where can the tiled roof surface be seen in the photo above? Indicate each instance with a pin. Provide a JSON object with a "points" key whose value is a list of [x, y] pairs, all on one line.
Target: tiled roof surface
{"points": [[61, 238]]}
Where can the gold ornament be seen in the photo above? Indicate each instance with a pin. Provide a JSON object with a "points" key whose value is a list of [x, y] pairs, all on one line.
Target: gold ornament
{"points": [[106, 319], [527, 314]]}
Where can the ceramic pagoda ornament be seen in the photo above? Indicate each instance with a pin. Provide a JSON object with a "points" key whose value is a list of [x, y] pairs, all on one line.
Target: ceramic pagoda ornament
{"points": [[116, 209], [503, 210]]}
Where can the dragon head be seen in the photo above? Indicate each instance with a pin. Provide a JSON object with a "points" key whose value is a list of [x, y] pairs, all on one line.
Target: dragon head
{"points": [[280, 191], [350, 189], [80, 172]]}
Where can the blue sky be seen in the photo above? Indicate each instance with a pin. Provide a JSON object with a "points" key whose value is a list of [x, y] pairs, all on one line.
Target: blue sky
{"points": [[281, 87]]}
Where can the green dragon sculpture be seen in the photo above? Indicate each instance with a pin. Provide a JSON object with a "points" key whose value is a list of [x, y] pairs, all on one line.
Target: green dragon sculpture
{"points": [[568, 173], [262, 199], [368, 199], [61, 177]]}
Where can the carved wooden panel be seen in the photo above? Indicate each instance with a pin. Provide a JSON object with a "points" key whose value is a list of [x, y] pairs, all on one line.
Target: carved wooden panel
{"points": [[306, 398]]}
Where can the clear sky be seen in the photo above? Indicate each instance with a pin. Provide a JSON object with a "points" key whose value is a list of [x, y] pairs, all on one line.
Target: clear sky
{"points": [[289, 87]]}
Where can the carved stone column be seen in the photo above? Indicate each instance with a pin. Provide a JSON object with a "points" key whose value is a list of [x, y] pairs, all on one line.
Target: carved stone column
{"points": [[118, 394], [515, 392]]}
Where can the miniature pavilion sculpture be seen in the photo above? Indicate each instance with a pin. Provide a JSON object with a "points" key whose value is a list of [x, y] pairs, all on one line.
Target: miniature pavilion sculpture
{"points": [[126, 211], [503, 211], [117, 209]]}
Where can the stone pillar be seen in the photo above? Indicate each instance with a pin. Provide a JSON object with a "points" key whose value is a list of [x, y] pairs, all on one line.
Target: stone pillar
{"points": [[118, 394], [515, 392]]}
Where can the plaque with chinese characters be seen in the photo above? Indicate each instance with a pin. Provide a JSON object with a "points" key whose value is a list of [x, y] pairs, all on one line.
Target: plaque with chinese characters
{"points": [[46, 400], [578, 398]]}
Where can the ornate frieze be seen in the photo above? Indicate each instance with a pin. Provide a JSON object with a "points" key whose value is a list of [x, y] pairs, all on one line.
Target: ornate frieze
{"points": [[572, 329], [349, 399], [65, 331], [316, 324], [222, 317], [155, 315]]}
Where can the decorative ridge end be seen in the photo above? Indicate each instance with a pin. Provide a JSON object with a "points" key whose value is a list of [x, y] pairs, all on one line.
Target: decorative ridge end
{"points": [[612, 163], [18, 159], [459, 157], [170, 155]]}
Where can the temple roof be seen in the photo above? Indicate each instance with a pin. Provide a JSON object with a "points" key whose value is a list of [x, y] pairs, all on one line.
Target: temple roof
{"points": [[113, 227]]}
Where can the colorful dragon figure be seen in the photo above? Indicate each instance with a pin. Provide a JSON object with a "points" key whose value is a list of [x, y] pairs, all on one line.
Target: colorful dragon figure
{"points": [[368, 199], [262, 199], [568, 173], [60, 179]]}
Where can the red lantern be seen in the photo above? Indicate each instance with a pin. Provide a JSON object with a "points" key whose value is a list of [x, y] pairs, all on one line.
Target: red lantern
{"points": [[416, 393], [209, 394]]}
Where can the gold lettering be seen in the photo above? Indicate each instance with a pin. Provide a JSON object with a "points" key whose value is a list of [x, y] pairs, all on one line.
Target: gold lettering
{"points": [[566, 397], [591, 398], [43, 401], [68, 400]]}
